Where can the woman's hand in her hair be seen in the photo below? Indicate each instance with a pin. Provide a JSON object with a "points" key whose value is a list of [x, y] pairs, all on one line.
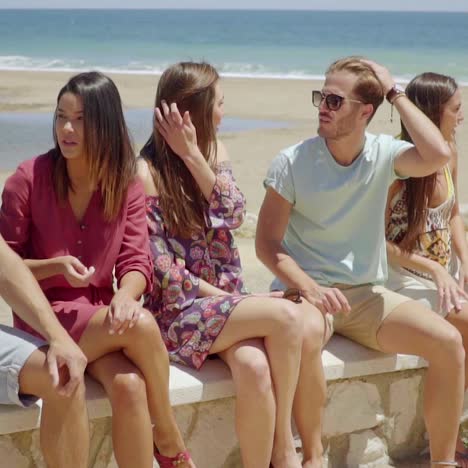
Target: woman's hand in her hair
{"points": [[178, 131], [450, 292], [76, 274]]}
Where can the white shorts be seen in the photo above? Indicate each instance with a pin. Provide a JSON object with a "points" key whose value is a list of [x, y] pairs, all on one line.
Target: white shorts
{"points": [[15, 348], [415, 287]]}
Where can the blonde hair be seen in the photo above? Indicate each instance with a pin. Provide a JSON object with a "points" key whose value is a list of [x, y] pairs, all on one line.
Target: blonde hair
{"points": [[368, 88]]}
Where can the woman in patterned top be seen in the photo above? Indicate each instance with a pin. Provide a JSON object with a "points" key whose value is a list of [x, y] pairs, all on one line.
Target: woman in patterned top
{"points": [[424, 228], [199, 298]]}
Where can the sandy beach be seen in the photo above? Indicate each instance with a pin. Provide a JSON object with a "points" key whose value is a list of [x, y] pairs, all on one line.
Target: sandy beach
{"points": [[251, 151]]}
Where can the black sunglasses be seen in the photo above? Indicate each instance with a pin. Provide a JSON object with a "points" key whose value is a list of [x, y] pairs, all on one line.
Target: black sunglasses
{"points": [[293, 294], [333, 101]]}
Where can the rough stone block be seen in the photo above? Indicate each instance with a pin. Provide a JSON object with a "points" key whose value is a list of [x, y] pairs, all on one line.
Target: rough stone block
{"points": [[351, 406], [10, 455], [208, 430], [367, 450], [403, 400]]}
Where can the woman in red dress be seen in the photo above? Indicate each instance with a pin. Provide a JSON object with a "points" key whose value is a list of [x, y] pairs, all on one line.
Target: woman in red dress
{"points": [[74, 214]]}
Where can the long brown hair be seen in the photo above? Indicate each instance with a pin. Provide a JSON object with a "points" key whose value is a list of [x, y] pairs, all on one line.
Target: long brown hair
{"points": [[429, 92], [192, 86], [107, 144]]}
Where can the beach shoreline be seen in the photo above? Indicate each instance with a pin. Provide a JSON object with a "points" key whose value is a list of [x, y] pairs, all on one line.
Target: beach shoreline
{"points": [[251, 151]]}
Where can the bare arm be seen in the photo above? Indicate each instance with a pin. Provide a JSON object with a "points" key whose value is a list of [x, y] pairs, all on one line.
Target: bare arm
{"points": [[206, 290], [457, 226], [125, 308], [42, 269], [447, 288], [397, 257], [273, 220], [70, 267], [430, 151], [181, 135], [272, 223], [33, 307]]}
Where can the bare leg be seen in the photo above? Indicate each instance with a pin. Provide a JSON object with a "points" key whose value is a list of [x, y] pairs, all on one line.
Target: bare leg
{"points": [[255, 401], [64, 432], [131, 424], [460, 321], [279, 322], [144, 347], [413, 329], [311, 392]]}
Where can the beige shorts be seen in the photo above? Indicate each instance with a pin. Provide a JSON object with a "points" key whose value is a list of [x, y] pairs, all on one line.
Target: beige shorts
{"points": [[370, 306]]}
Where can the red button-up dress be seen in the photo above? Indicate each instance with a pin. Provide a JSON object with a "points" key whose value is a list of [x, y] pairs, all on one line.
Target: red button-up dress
{"points": [[37, 226]]}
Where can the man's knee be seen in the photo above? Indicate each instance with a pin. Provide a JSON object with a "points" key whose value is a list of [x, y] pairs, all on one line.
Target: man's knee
{"points": [[49, 393], [450, 345]]}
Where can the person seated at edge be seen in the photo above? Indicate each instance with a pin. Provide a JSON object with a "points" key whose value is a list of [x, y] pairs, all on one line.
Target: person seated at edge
{"points": [[321, 229], [423, 220], [199, 298], [51, 370], [74, 214]]}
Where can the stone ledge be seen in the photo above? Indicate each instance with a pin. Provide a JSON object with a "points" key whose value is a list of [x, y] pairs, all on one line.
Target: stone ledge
{"points": [[342, 359]]}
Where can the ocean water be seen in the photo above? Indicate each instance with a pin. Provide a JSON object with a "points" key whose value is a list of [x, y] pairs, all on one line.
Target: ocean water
{"points": [[24, 135], [294, 44]]}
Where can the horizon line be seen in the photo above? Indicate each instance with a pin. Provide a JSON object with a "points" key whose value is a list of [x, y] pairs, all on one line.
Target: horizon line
{"points": [[357, 10]]}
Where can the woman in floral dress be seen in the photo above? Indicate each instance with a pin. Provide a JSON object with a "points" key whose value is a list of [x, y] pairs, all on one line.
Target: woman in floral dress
{"points": [[199, 298], [425, 231]]}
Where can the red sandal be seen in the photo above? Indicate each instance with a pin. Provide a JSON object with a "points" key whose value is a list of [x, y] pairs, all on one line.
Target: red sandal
{"points": [[170, 462]]}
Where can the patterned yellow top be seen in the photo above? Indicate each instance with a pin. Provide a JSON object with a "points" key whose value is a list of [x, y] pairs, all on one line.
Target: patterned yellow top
{"points": [[435, 242]]}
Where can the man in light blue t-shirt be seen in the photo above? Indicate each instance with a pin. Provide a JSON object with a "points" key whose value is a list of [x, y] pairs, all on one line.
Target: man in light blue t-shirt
{"points": [[321, 232]]}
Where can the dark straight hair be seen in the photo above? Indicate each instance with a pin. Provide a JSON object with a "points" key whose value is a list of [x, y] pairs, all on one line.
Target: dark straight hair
{"points": [[107, 144]]}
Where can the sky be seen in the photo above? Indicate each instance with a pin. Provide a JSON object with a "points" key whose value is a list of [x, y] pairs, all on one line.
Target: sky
{"points": [[399, 5]]}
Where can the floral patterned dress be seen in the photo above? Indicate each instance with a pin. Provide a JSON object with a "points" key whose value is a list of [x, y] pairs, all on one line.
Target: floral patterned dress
{"points": [[190, 324]]}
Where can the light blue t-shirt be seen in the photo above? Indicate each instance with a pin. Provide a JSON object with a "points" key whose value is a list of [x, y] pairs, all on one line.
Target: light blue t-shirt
{"points": [[336, 230]]}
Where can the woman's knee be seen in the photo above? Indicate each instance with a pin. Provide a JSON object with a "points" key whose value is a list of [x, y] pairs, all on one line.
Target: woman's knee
{"points": [[313, 331], [251, 374], [128, 390], [146, 327], [290, 319]]}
